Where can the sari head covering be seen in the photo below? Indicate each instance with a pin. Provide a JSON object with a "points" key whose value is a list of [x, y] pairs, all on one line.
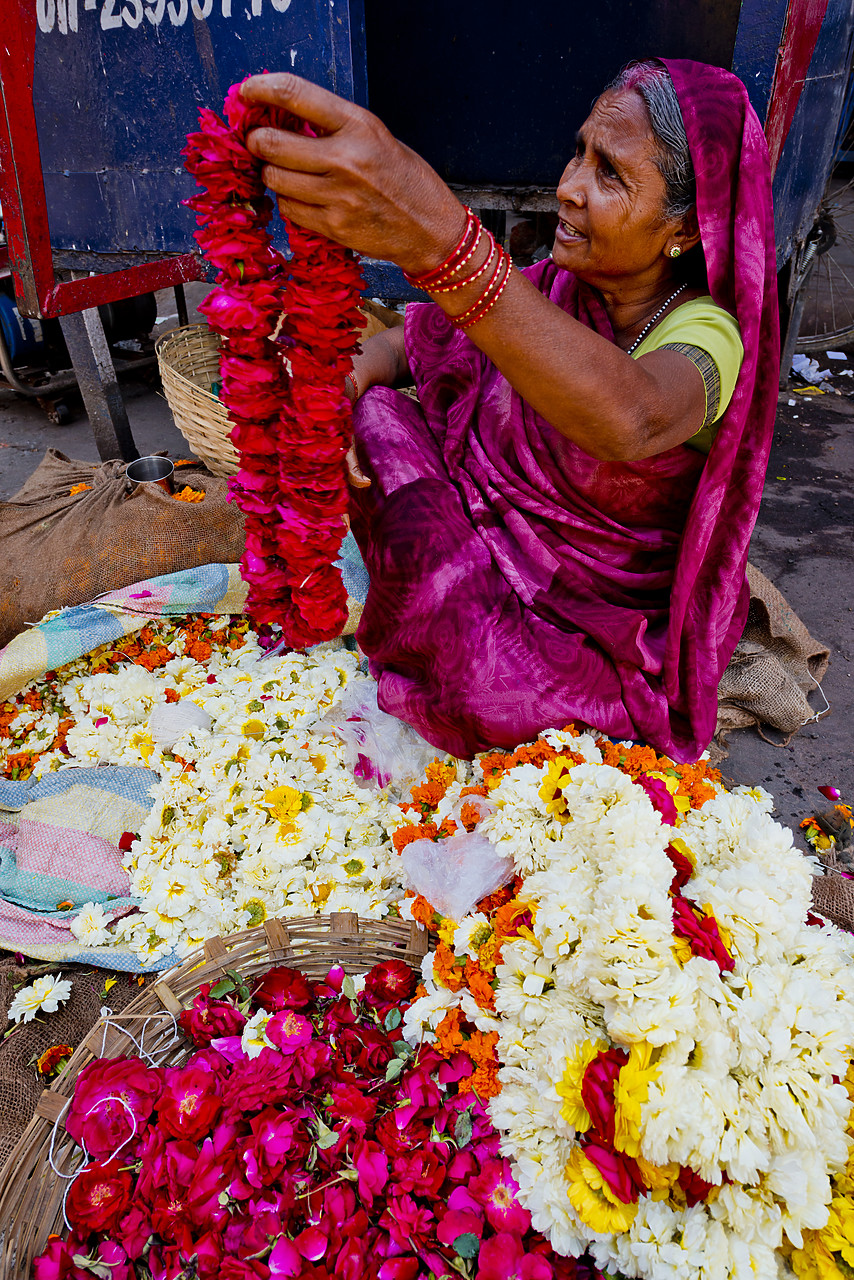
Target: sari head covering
{"points": [[517, 583]]}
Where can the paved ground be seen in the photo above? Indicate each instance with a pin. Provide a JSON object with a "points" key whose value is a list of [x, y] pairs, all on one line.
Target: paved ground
{"points": [[804, 542]]}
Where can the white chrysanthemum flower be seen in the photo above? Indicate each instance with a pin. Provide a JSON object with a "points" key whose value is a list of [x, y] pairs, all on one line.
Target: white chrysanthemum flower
{"points": [[90, 928], [45, 995], [253, 1038]]}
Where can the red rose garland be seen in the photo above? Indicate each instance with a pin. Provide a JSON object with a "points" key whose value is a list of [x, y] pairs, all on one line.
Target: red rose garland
{"points": [[282, 383]]}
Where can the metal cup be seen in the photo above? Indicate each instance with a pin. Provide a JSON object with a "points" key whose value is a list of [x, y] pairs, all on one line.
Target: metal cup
{"points": [[151, 470]]}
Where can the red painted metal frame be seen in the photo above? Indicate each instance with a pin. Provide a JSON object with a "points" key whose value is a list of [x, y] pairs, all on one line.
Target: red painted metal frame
{"points": [[22, 194], [803, 25]]}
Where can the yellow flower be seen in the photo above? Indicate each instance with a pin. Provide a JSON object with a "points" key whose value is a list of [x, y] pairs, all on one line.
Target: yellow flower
{"points": [[815, 1261], [285, 803], [838, 1235], [447, 929], [630, 1093], [254, 729], [568, 1087], [592, 1198], [658, 1178], [681, 949], [557, 775]]}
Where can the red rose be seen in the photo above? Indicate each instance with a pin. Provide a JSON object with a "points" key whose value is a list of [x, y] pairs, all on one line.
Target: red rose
{"points": [[283, 988], [189, 1103], [210, 1019], [98, 1196], [389, 983], [112, 1101]]}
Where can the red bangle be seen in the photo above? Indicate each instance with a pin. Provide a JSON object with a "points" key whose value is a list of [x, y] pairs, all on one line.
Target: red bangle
{"points": [[351, 377], [461, 284], [487, 300], [461, 252]]}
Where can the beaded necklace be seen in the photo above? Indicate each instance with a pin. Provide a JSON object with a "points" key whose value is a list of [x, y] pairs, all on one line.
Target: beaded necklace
{"points": [[650, 323]]}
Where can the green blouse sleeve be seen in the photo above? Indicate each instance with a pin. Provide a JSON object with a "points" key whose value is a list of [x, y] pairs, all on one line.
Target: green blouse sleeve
{"points": [[710, 338]]}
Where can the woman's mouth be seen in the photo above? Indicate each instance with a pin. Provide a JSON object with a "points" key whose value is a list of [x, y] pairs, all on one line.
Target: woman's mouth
{"points": [[567, 234]]}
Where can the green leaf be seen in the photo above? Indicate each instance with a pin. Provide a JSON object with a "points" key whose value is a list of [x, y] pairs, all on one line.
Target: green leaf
{"points": [[463, 1128], [222, 988], [348, 988], [394, 1068], [327, 1139], [393, 1019], [401, 1049], [468, 1245]]}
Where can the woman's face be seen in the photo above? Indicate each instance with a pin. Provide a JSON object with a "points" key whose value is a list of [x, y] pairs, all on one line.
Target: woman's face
{"points": [[611, 226]]}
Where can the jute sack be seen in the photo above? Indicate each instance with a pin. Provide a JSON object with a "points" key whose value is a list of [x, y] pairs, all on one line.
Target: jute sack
{"points": [[833, 894], [64, 549], [775, 665], [20, 1084]]}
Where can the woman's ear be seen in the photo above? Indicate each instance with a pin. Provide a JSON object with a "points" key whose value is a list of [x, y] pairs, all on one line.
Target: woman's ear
{"points": [[685, 234]]}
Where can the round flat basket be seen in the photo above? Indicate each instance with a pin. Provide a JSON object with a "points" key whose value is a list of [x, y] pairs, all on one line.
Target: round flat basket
{"points": [[189, 366], [33, 1186]]}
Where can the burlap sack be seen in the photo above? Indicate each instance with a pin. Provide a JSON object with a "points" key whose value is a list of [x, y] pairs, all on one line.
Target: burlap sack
{"points": [[776, 664], [833, 894], [20, 1083], [64, 549]]}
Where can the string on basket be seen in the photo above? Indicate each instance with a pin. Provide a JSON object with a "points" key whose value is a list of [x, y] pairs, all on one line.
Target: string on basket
{"points": [[139, 1045], [107, 1013]]}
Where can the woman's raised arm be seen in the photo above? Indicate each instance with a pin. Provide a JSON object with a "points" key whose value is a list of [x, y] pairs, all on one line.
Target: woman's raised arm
{"points": [[358, 185]]}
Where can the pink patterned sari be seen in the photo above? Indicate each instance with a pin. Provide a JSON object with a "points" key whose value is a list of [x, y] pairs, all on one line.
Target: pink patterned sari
{"points": [[516, 582]]}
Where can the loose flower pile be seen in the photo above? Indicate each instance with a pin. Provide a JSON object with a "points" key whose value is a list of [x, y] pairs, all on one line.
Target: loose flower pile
{"points": [[671, 1025], [660, 1028], [288, 329], [302, 1137]]}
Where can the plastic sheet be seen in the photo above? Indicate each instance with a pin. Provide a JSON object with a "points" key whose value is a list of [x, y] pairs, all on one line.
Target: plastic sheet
{"points": [[382, 751], [455, 873]]}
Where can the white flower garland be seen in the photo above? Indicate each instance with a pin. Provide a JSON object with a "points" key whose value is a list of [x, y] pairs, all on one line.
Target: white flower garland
{"points": [[745, 1064]]}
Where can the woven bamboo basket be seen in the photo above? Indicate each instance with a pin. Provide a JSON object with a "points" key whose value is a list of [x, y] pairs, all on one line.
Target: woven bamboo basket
{"points": [[189, 366], [31, 1193]]}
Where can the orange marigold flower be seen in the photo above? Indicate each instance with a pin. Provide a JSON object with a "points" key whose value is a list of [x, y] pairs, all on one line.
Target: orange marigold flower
{"points": [[423, 912], [480, 1047], [189, 495], [200, 650], [446, 971], [484, 1082], [78, 488], [509, 919], [449, 1036], [447, 828], [479, 985], [54, 1058], [534, 753], [469, 816], [493, 766], [414, 831], [172, 695], [475, 791], [34, 700]]}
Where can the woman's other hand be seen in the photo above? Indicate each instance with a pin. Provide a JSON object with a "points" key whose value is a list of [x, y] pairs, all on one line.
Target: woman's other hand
{"points": [[355, 183]]}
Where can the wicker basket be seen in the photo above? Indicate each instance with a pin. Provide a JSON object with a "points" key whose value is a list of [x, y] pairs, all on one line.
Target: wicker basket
{"points": [[31, 1193], [189, 366]]}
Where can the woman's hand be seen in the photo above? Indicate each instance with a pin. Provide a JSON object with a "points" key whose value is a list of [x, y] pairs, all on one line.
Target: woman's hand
{"points": [[356, 183]]}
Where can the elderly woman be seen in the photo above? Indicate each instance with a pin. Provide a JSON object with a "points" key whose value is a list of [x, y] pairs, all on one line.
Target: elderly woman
{"points": [[557, 531]]}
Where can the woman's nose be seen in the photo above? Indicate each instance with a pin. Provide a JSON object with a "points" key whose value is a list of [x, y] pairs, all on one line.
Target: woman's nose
{"points": [[570, 189]]}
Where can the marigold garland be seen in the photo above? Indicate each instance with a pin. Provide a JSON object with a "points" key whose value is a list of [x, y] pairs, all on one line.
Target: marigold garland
{"points": [[288, 329]]}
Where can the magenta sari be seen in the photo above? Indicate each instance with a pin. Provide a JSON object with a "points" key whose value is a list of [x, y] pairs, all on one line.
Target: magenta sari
{"points": [[519, 584]]}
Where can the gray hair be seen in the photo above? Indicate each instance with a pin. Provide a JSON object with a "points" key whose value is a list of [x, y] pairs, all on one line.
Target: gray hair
{"points": [[653, 83]]}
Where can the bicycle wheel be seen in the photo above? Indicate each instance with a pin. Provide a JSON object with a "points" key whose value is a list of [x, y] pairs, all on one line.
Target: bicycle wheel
{"points": [[828, 315]]}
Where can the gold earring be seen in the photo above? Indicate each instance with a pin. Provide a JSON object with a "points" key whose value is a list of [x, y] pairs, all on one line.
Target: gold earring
{"points": [[675, 251]]}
